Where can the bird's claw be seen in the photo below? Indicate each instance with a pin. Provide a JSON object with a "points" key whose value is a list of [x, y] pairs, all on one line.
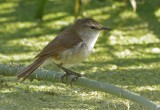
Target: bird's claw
{"points": [[68, 73], [74, 79]]}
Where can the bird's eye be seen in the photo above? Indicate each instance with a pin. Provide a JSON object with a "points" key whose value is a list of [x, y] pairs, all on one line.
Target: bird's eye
{"points": [[92, 27]]}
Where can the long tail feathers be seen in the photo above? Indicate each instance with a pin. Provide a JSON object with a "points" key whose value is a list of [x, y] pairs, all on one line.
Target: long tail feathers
{"points": [[30, 69]]}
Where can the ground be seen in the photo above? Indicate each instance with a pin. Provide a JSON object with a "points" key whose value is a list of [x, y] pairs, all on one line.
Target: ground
{"points": [[128, 56]]}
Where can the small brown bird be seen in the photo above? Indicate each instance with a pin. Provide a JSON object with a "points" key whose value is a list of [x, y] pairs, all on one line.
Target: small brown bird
{"points": [[69, 48]]}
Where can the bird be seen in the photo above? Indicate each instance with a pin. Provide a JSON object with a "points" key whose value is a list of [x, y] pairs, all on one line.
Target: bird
{"points": [[69, 48]]}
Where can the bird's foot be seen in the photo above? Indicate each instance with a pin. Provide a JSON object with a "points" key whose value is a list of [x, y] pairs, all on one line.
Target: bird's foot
{"points": [[68, 73]]}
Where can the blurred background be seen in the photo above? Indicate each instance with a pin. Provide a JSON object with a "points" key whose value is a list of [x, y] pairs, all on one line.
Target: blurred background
{"points": [[128, 56]]}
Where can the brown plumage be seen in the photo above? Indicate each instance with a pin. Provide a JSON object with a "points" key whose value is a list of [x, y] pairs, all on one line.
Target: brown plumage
{"points": [[30, 69], [70, 47], [56, 46]]}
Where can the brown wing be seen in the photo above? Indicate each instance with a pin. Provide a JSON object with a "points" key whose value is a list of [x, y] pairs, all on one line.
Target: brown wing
{"points": [[62, 42]]}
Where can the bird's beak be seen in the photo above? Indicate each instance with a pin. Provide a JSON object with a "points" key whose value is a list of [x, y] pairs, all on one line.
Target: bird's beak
{"points": [[105, 28]]}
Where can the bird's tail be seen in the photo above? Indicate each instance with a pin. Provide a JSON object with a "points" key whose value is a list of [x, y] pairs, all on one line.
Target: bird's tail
{"points": [[25, 73]]}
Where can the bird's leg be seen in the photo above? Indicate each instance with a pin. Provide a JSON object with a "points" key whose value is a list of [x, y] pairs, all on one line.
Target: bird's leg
{"points": [[68, 73]]}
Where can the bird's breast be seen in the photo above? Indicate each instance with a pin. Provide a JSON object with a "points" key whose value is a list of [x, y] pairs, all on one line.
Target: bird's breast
{"points": [[73, 56]]}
